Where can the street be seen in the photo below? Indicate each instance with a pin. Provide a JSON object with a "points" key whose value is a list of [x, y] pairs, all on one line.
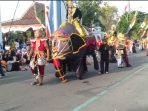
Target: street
{"points": [[123, 89]]}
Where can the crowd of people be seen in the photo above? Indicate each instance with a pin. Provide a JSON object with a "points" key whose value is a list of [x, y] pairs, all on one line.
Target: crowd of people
{"points": [[14, 58]]}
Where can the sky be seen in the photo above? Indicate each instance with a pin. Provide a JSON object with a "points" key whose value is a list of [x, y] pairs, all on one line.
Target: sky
{"points": [[8, 7]]}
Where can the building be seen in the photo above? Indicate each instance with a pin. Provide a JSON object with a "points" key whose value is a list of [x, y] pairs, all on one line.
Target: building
{"points": [[29, 19]]}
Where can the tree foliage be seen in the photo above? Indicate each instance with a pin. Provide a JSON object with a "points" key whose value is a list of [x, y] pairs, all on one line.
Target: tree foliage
{"points": [[107, 16], [41, 16], [90, 11]]}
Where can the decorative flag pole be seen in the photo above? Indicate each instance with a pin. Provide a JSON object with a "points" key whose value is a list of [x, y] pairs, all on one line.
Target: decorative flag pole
{"points": [[47, 21], [55, 13], [132, 22]]}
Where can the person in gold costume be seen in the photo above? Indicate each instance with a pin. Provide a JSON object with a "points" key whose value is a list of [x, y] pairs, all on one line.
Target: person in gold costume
{"points": [[74, 16], [121, 45]]}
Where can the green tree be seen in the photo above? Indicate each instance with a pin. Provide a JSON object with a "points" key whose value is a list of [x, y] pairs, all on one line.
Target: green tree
{"points": [[122, 26], [107, 16], [41, 16], [90, 11]]}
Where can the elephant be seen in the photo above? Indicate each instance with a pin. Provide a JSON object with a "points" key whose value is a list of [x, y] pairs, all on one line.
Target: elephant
{"points": [[68, 51]]}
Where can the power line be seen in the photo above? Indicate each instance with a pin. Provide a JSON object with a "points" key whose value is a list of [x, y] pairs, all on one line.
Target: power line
{"points": [[13, 16]]}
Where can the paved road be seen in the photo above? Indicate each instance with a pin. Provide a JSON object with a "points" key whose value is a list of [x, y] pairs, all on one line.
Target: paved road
{"points": [[121, 90]]}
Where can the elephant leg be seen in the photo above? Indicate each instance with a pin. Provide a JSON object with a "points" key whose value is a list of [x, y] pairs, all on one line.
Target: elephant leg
{"points": [[64, 67], [84, 64], [79, 70], [96, 64], [59, 72]]}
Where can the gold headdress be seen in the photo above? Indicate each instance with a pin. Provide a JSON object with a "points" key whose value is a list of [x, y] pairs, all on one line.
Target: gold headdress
{"points": [[121, 41], [121, 36], [69, 3]]}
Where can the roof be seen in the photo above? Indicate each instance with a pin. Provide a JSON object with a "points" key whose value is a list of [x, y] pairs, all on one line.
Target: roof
{"points": [[29, 16]]}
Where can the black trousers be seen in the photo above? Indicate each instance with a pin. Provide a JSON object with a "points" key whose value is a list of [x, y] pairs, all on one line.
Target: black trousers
{"points": [[104, 65], [1, 71]]}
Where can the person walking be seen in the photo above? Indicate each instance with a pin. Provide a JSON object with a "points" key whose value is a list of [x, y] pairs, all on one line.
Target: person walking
{"points": [[105, 56], [38, 48]]}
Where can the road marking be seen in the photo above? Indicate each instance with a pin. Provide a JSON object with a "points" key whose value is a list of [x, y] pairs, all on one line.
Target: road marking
{"points": [[107, 89]]}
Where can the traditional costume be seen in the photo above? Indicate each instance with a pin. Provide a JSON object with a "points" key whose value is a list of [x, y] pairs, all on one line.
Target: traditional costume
{"points": [[121, 45], [38, 60], [74, 16]]}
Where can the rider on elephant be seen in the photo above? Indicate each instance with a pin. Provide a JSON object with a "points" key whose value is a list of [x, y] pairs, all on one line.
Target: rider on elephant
{"points": [[74, 16]]}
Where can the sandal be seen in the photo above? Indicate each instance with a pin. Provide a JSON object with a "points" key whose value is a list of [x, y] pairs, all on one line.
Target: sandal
{"points": [[64, 81], [34, 83], [39, 84]]}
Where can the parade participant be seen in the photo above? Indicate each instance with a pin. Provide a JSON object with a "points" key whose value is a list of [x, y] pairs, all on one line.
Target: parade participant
{"points": [[38, 61], [112, 44], [99, 42], [121, 45], [74, 16], [92, 46], [119, 58], [112, 31], [105, 56]]}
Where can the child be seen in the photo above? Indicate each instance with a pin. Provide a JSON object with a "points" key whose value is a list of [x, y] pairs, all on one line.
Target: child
{"points": [[119, 53]]}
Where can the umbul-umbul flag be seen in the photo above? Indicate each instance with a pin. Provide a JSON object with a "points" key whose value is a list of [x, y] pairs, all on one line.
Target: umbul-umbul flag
{"points": [[144, 32], [48, 32], [143, 23], [126, 9], [132, 22]]}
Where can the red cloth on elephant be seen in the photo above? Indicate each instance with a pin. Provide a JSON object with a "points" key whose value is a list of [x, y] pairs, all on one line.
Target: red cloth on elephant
{"points": [[99, 43], [91, 42]]}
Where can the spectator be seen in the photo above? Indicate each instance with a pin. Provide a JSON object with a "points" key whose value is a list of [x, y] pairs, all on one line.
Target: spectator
{"points": [[1, 69], [17, 46]]}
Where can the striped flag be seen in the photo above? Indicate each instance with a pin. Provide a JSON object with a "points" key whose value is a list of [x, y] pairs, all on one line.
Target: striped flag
{"points": [[144, 31], [132, 22], [55, 13], [143, 23], [126, 9], [146, 27], [142, 26], [48, 32]]}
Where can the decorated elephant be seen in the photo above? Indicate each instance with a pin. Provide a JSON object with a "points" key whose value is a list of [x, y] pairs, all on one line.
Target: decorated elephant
{"points": [[68, 51]]}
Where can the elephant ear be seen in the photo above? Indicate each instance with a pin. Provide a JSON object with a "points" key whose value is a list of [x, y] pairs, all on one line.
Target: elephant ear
{"points": [[77, 43]]}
